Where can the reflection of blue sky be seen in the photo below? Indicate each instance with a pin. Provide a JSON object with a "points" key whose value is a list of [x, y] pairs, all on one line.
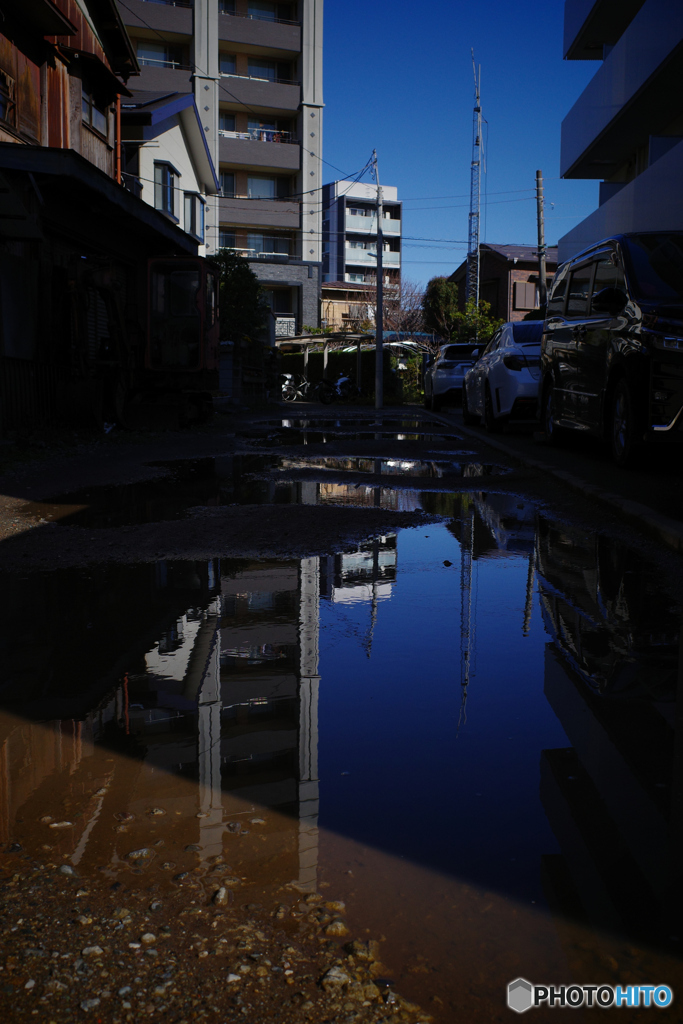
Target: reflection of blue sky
{"points": [[468, 805]]}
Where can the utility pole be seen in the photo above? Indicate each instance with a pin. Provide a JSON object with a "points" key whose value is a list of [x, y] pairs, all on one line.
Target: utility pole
{"points": [[542, 277], [379, 308], [472, 289]]}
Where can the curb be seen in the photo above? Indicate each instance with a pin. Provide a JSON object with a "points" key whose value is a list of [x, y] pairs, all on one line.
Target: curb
{"points": [[663, 528]]}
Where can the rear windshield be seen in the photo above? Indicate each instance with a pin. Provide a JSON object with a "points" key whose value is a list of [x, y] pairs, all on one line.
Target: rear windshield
{"points": [[656, 266], [460, 351], [528, 334]]}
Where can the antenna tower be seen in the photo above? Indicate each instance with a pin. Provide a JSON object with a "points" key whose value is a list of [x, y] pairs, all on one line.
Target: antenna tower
{"points": [[472, 291]]}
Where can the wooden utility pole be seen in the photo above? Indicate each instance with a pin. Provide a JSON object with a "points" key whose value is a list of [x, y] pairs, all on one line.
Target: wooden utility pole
{"points": [[379, 308], [542, 277]]}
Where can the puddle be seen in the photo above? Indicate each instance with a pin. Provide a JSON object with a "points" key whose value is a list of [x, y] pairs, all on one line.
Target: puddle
{"points": [[251, 480], [468, 732], [303, 430]]}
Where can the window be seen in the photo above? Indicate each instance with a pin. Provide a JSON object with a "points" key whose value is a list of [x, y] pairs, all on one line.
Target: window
{"points": [[226, 6], [162, 55], [226, 122], [356, 278], [556, 297], [226, 239], [267, 10], [267, 188], [164, 188], [194, 215], [525, 295], [7, 103], [228, 184], [227, 63], [267, 245], [94, 114], [579, 286], [270, 70], [608, 274]]}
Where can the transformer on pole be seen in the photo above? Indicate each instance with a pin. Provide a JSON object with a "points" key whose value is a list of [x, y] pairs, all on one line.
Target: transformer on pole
{"points": [[472, 291]]}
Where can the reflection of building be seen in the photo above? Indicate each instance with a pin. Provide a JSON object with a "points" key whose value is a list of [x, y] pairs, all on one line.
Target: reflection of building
{"points": [[612, 798]]}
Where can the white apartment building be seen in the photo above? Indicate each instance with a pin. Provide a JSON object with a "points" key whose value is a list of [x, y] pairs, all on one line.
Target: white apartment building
{"points": [[626, 128], [350, 233]]}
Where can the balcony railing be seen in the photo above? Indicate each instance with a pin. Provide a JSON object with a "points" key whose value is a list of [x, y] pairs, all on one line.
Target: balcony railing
{"points": [[258, 135], [260, 254], [259, 17], [225, 194], [259, 78], [173, 3], [153, 62]]}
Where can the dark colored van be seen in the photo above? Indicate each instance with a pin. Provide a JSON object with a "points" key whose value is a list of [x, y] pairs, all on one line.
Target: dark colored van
{"points": [[612, 348]]}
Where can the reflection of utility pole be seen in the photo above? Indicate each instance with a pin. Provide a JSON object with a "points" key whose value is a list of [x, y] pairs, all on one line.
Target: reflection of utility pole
{"points": [[528, 604], [309, 680], [466, 627], [373, 606]]}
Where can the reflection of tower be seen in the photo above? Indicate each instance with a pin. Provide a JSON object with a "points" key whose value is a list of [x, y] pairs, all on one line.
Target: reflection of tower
{"points": [[466, 626], [207, 657], [309, 628]]}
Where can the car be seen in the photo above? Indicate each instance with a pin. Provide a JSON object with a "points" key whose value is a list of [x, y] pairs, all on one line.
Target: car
{"points": [[503, 383], [443, 378], [612, 348]]}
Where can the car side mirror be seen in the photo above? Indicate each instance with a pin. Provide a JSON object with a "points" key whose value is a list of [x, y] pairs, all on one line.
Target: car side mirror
{"points": [[609, 300]]}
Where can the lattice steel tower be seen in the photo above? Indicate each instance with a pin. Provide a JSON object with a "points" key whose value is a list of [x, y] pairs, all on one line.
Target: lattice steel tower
{"points": [[472, 291]]}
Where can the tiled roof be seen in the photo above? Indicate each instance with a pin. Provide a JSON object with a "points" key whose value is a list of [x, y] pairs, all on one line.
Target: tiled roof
{"points": [[521, 252]]}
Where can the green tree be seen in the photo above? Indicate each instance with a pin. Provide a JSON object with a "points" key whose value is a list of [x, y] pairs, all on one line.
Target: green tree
{"points": [[243, 305], [440, 307], [443, 315]]}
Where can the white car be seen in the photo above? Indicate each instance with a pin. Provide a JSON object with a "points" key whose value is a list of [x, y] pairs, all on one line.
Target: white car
{"points": [[444, 377], [503, 383]]}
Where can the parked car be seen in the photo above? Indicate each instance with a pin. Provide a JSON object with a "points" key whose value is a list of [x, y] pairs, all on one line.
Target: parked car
{"points": [[443, 378], [612, 349], [503, 383]]}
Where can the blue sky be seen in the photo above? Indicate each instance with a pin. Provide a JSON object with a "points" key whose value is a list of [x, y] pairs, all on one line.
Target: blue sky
{"points": [[398, 78]]}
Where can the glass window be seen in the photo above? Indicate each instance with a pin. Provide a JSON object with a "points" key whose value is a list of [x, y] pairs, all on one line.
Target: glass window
{"points": [[226, 239], [609, 274], [264, 10], [228, 183], [226, 6], [262, 69], [262, 188], [164, 188], [227, 63], [579, 287], [7, 106], [95, 114], [194, 215], [255, 123], [226, 122], [557, 293]]}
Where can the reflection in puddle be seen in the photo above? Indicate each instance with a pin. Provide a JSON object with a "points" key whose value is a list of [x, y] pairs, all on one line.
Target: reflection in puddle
{"points": [[250, 480], [378, 721]]}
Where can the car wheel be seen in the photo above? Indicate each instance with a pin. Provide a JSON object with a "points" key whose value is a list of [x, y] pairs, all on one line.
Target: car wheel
{"points": [[467, 416], [490, 421], [624, 425]]}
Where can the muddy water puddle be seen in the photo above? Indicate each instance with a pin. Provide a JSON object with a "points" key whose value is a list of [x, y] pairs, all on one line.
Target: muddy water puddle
{"points": [[468, 733], [256, 480]]}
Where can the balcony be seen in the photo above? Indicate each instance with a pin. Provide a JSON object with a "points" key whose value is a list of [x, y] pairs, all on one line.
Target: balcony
{"points": [[260, 93], [280, 36], [368, 225], [163, 76], [589, 25], [368, 258], [259, 213], [159, 16], [260, 149], [634, 94]]}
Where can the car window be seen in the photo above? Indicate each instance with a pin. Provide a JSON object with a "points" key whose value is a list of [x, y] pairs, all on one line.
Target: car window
{"points": [[558, 292], [493, 344], [579, 288], [609, 274]]}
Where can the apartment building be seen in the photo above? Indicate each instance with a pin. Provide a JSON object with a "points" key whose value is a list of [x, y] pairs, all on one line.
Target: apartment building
{"points": [[254, 68], [349, 233], [626, 128]]}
